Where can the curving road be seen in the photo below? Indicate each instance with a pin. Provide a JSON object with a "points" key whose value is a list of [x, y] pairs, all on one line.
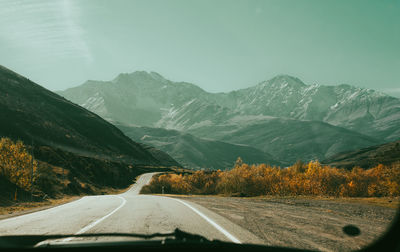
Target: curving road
{"points": [[128, 212]]}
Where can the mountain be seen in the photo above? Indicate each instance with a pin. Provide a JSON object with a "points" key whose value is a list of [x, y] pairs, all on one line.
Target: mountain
{"points": [[369, 157], [363, 110], [148, 99], [194, 152], [138, 98], [31, 113], [282, 116]]}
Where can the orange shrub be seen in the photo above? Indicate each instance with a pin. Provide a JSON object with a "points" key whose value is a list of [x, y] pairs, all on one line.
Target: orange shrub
{"points": [[300, 179], [16, 163]]}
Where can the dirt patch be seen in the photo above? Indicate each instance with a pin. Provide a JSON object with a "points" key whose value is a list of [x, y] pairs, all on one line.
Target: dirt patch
{"points": [[30, 207], [305, 222]]}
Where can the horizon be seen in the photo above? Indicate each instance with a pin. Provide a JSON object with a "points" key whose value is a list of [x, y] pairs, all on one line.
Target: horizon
{"points": [[149, 72]]}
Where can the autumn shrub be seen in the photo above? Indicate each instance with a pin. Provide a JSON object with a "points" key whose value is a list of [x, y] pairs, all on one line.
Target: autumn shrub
{"points": [[169, 183], [16, 164], [203, 183], [300, 179]]}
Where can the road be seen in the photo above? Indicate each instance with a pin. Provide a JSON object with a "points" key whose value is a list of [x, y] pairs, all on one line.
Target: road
{"points": [[128, 212]]}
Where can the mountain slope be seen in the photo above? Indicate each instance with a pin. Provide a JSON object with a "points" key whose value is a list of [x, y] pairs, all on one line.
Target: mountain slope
{"points": [[137, 98], [369, 157], [148, 99], [194, 152], [31, 113], [362, 110], [286, 139]]}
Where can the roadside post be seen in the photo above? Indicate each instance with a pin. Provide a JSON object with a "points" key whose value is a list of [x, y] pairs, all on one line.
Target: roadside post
{"points": [[32, 156]]}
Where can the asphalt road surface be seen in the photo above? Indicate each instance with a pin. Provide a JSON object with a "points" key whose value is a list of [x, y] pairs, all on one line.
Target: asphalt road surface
{"points": [[128, 212]]}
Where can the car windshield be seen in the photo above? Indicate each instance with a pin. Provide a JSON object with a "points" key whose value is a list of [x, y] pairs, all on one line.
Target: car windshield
{"points": [[274, 123]]}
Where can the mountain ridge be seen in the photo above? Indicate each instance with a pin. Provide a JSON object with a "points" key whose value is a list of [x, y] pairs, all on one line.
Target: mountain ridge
{"points": [[363, 110], [148, 99]]}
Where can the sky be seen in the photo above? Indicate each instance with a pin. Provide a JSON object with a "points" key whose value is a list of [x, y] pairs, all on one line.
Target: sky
{"points": [[219, 45]]}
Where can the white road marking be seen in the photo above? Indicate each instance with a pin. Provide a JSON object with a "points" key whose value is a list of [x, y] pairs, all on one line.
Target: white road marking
{"points": [[94, 223], [221, 229], [140, 180]]}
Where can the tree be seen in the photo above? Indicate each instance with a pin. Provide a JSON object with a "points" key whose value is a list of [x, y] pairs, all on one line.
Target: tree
{"points": [[16, 164]]}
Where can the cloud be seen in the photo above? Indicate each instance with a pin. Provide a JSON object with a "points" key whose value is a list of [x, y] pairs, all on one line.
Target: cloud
{"points": [[49, 28]]}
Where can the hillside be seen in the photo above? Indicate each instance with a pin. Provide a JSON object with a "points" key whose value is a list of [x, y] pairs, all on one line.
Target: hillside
{"points": [[287, 139], [91, 152], [31, 113], [385, 154], [194, 152]]}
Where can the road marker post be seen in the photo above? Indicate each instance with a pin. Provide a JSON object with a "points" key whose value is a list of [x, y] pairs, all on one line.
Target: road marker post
{"points": [[32, 157]]}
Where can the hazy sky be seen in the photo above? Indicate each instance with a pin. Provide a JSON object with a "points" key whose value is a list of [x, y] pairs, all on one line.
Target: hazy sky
{"points": [[219, 45]]}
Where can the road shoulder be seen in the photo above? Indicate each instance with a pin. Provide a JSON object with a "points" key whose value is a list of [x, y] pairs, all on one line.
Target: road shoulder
{"points": [[31, 207], [302, 222]]}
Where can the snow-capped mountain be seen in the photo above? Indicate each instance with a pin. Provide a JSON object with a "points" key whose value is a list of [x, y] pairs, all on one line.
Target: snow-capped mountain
{"points": [[363, 110], [148, 99], [138, 98]]}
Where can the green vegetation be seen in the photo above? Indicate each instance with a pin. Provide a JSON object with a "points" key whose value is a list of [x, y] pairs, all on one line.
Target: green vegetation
{"points": [[298, 179]]}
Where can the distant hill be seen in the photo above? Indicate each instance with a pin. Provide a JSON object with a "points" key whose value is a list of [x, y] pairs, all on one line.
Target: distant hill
{"points": [[369, 157], [287, 140], [196, 153]]}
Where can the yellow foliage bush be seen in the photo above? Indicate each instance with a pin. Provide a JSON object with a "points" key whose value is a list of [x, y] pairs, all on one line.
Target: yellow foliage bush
{"points": [[300, 179], [16, 163]]}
